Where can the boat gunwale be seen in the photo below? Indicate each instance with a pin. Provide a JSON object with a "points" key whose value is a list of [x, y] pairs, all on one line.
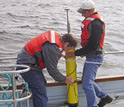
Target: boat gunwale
{"points": [[98, 79]]}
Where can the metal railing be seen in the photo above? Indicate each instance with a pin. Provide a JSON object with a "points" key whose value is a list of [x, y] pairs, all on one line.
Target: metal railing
{"points": [[8, 70]]}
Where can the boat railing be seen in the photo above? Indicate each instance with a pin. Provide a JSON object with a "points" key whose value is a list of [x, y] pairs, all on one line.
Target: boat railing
{"points": [[14, 95]]}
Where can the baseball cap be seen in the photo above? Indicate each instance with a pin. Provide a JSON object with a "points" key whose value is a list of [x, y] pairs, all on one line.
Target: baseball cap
{"points": [[86, 5]]}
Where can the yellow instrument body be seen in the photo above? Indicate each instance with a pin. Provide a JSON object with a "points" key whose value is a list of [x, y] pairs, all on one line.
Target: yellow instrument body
{"points": [[71, 72]]}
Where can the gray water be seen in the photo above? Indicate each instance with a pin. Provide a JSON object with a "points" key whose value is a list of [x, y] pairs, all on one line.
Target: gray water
{"points": [[21, 20]]}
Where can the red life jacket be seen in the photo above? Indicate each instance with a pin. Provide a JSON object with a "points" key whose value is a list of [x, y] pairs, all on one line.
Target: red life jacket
{"points": [[35, 45], [85, 32]]}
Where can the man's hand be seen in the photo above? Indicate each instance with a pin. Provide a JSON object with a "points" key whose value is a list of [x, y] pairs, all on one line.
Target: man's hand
{"points": [[69, 80]]}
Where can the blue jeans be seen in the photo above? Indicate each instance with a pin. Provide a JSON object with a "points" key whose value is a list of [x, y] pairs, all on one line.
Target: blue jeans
{"points": [[91, 89], [37, 84]]}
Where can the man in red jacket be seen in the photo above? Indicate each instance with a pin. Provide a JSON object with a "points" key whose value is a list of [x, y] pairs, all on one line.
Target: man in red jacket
{"points": [[41, 52], [92, 42]]}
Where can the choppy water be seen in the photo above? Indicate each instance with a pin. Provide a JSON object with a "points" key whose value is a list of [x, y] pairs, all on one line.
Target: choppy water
{"points": [[21, 20]]}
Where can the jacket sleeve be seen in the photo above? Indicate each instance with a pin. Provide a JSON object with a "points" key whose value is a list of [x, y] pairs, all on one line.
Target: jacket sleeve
{"points": [[96, 29], [51, 54]]}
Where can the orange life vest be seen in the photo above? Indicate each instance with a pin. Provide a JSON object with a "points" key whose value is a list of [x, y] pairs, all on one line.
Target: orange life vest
{"points": [[85, 32], [35, 45]]}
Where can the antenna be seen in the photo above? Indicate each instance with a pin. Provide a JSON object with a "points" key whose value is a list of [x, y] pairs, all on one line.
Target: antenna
{"points": [[68, 23]]}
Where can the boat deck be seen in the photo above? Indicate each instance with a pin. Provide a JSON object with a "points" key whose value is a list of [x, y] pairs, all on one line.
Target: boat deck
{"points": [[116, 103]]}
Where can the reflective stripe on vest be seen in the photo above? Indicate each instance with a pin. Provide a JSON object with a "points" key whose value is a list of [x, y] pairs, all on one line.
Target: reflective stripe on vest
{"points": [[52, 37]]}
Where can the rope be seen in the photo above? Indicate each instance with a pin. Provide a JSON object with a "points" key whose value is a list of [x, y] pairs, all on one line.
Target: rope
{"points": [[5, 96], [24, 89], [73, 71]]}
